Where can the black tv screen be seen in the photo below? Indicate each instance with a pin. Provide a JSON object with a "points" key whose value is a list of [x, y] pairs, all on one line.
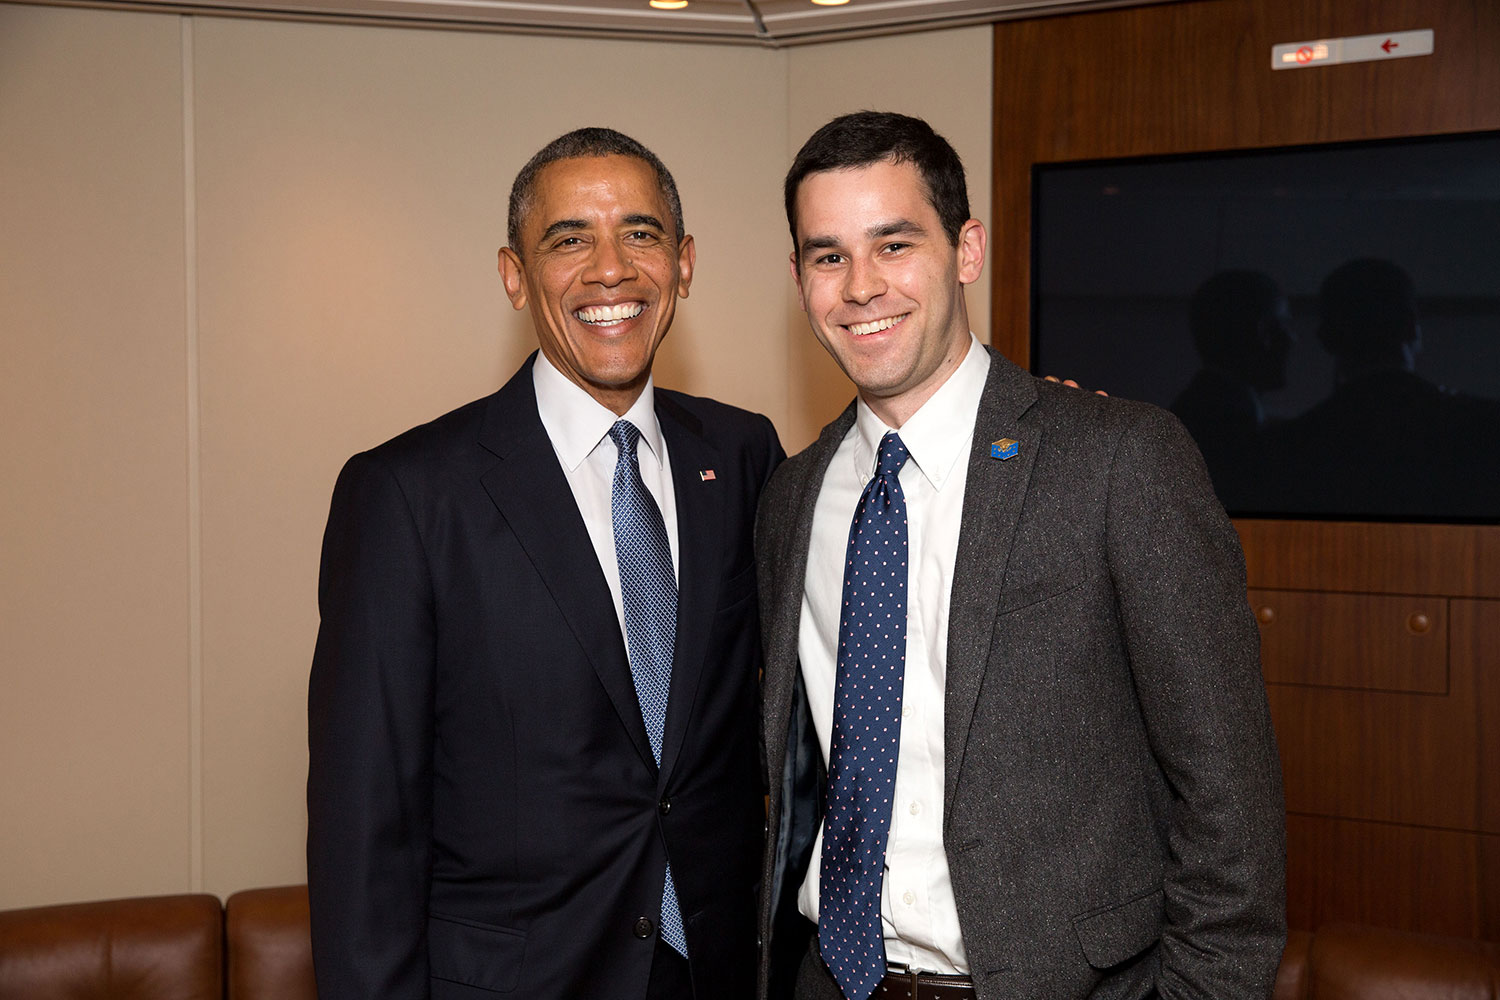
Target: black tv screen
{"points": [[1324, 319]]}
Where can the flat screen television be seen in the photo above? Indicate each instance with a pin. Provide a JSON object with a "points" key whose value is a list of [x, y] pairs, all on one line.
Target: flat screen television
{"points": [[1325, 319]]}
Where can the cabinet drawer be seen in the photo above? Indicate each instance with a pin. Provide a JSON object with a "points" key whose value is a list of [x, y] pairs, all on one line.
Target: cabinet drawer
{"points": [[1372, 642]]}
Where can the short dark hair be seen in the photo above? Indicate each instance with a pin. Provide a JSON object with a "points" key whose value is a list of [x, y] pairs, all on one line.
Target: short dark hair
{"points": [[1368, 311], [1225, 313], [578, 143], [866, 137]]}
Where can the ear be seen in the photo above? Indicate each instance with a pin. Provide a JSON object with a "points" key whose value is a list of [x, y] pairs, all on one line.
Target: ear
{"points": [[797, 280], [972, 241], [687, 257], [513, 276]]}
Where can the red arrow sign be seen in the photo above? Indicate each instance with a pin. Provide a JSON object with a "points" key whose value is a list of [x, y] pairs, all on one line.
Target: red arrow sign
{"points": [[1388, 45]]}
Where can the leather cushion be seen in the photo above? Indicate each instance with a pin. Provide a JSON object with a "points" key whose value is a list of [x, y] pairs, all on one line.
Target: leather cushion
{"points": [[270, 945], [153, 948]]}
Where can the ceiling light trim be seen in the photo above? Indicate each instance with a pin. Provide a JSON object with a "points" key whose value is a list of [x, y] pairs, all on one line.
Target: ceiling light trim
{"points": [[633, 23], [552, 10]]}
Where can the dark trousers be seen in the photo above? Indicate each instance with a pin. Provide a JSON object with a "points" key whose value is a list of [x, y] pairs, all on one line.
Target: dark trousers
{"points": [[671, 978], [814, 981]]}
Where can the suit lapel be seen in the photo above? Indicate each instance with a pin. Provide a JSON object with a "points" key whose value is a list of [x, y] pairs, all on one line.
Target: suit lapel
{"points": [[782, 550], [790, 536], [528, 487], [700, 569], [993, 498]]}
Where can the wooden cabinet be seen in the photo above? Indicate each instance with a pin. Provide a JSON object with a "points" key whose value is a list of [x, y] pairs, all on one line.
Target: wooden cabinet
{"points": [[1386, 709], [1392, 787], [1381, 641]]}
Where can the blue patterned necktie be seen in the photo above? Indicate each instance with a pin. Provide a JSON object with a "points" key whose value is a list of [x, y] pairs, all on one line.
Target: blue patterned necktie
{"points": [[648, 587], [866, 731]]}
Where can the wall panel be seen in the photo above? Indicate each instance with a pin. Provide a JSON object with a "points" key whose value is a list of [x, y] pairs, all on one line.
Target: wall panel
{"points": [[1386, 730], [96, 717]]}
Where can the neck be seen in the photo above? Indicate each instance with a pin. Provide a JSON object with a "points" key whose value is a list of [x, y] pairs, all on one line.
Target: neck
{"points": [[899, 407]]}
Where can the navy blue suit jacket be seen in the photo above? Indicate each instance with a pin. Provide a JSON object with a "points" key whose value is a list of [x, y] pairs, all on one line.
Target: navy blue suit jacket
{"points": [[485, 815]]}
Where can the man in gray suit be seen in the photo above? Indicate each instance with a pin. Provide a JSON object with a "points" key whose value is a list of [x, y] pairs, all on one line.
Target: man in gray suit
{"points": [[1015, 728]]}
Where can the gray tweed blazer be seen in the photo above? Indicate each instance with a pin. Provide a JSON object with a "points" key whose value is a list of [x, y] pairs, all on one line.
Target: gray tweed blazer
{"points": [[1113, 816]]}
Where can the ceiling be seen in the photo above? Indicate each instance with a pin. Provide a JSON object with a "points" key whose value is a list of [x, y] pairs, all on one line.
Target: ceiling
{"points": [[771, 23]]}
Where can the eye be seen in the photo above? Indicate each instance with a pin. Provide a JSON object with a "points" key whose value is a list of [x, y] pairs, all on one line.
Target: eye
{"points": [[894, 247], [642, 236], [832, 259]]}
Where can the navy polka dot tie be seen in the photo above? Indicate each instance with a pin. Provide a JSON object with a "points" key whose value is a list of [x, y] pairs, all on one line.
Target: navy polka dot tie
{"points": [[648, 587], [866, 731]]}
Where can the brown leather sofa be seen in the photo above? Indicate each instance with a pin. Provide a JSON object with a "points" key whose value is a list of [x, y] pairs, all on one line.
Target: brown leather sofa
{"points": [[256, 947], [1353, 962]]}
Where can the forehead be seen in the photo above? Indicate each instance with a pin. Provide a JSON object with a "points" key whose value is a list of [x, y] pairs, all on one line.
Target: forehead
{"points": [[596, 189], [853, 200]]}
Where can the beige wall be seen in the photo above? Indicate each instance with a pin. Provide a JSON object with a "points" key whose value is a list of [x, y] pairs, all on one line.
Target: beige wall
{"points": [[233, 252], [95, 706]]}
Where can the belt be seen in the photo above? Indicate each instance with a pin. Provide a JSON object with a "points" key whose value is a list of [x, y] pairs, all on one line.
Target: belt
{"points": [[909, 984]]}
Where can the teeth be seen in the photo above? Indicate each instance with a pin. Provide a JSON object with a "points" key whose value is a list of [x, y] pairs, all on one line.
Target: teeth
{"points": [[610, 314], [864, 329]]}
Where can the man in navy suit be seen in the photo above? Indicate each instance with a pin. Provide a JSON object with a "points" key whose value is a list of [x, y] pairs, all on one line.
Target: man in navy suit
{"points": [[493, 807]]}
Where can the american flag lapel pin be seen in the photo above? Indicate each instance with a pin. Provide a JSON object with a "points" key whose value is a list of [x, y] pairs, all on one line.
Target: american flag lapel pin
{"points": [[706, 475]]}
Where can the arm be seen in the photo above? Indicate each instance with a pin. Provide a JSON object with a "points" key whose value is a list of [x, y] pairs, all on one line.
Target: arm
{"points": [[370, 745], [1194, 650]]}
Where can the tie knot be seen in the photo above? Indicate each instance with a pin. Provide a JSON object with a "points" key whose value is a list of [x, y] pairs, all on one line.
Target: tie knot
{"points": [[892, 455], [625, 435]]}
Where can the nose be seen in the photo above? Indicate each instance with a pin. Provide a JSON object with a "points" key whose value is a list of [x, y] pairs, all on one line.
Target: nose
{"points": [[862, 281], [609, 264]]}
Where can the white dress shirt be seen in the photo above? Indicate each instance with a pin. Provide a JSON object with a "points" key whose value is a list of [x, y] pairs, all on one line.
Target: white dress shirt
{"points": [[578, 427], [917, 910]]}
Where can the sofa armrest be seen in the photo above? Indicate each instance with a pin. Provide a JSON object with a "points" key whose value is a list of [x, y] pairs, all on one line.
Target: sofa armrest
{"points": [[270, 946], [1291, 977], [1354, 962], [149, 948]]}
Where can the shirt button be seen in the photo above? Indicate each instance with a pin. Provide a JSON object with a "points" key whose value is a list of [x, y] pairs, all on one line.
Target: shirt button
{"points": [[643, 927], [914, 808], [908, 897]]}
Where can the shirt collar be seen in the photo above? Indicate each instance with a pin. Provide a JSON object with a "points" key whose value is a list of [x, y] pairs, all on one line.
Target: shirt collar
{"points": [[938, 434], [576, 422]]}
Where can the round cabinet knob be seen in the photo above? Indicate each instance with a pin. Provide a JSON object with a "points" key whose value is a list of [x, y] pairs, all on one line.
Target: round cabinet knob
{"points": [[643, 927], [1418, 623], [1265, 614]]}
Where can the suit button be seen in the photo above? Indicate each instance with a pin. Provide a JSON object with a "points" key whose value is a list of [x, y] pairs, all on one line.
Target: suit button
{"points": [[644, 927], [664, 806]]}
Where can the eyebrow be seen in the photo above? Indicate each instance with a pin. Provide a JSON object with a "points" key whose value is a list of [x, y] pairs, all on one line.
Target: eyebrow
{"points": [[561, 226], [899, 227], [896, 227], [573, 225], [645, 220]]}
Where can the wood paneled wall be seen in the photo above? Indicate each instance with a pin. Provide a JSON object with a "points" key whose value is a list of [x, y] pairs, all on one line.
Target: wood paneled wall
{"points": [[1381, 642]]}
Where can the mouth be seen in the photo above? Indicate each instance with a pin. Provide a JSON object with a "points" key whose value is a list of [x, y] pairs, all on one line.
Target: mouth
{"points": [[610, 314], [874, 325]]}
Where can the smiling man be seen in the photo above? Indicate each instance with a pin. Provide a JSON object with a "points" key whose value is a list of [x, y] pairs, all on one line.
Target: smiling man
{"points": [[532, 733], [1014, 722]]}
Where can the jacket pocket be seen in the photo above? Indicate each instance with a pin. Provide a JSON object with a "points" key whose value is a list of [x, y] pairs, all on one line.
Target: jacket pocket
{"points": [[474, 954], [1035, 591], [1120, 931]]}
